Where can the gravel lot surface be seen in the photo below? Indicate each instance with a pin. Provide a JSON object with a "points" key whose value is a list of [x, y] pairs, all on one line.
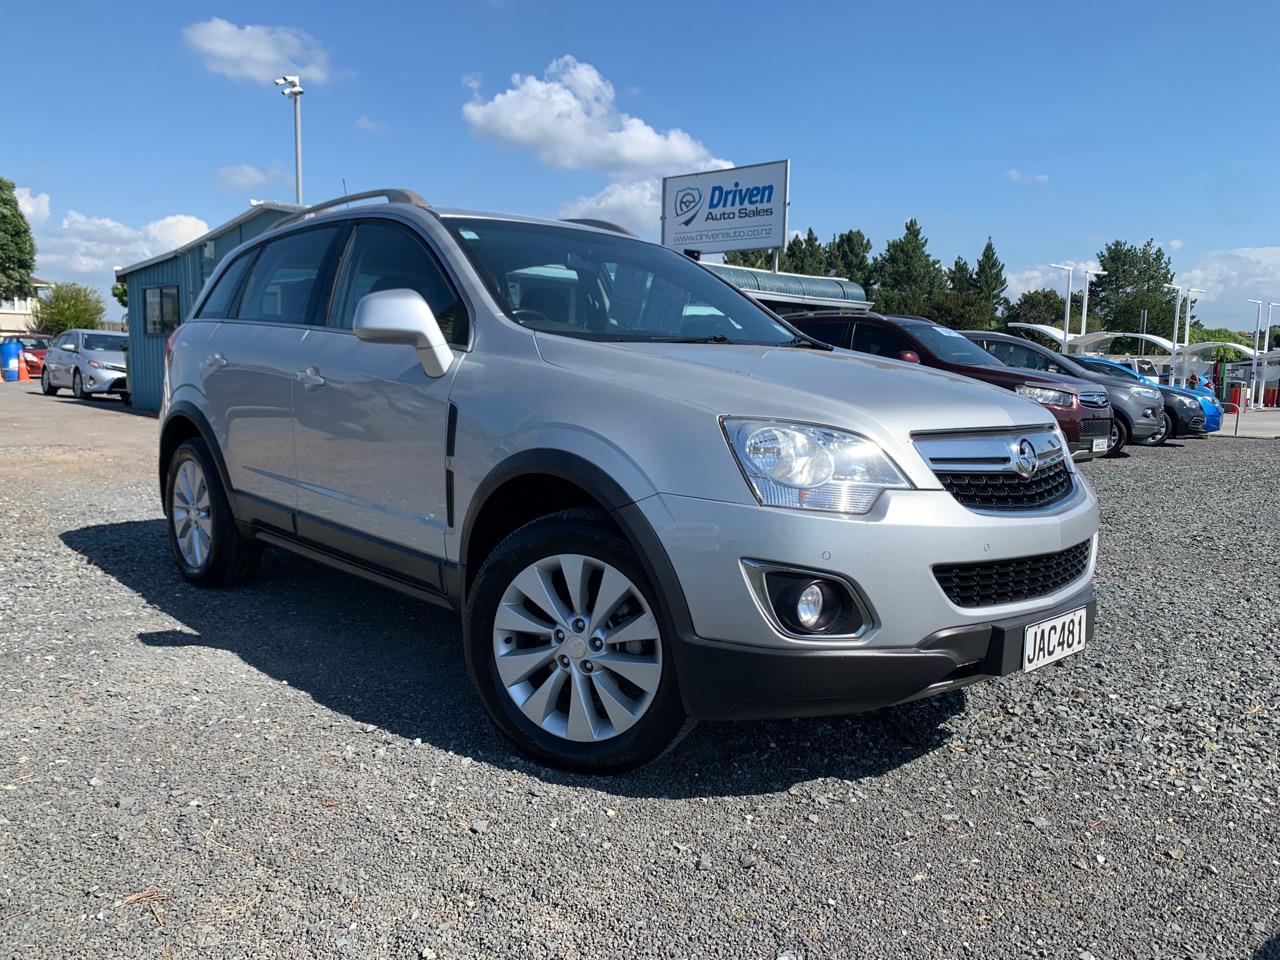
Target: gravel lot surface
{"points": [[298, 768]]}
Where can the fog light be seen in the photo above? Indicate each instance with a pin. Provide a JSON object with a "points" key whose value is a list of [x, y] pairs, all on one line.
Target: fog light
{"points": [[809, 606]]}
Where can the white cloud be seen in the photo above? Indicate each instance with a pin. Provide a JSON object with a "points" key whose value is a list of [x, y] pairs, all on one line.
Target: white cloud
{"points": [[569, 118], [1020, 176], [636, 205], [34, 206], [1230, 278], [241, 176], [371, 126], [257, 53], [95, 245], [1173, 244], [1045, 276]]}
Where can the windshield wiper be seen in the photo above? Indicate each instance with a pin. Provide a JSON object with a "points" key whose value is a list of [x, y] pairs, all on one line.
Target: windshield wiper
{"points": [[807, 344], [710, 338]]}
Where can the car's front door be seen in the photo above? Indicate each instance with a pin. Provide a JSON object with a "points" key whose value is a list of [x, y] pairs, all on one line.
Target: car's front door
{"points": [[369, 425], [252, 358]]}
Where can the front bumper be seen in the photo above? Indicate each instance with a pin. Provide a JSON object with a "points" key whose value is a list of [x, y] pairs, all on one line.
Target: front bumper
{"points": [[103, 381], [733, 681], [1190, 419]]}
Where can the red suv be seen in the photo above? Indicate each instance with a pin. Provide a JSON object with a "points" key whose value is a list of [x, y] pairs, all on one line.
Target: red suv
{"points": [[1080, 407]]}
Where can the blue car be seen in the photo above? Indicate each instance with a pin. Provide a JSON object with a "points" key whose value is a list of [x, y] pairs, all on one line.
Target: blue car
{"points": [[1186, 412]]}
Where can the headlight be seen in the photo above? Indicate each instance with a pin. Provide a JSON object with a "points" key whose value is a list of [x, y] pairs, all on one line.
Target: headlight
{"points": [[1054, 398], [811, 468], [1186, 401], [96, 364], [1147, 393]]}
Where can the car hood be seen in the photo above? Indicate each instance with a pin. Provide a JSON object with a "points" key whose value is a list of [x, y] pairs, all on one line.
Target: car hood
{"points": [[888, 400]]}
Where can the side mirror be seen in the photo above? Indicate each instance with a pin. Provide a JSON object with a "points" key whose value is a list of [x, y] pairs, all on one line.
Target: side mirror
{"points": [[402, 316], [71, 348], [908, 356]]}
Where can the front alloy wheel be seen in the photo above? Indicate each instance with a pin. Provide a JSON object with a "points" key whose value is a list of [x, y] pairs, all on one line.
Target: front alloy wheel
{"points": [[566, 645], [583, 664]]}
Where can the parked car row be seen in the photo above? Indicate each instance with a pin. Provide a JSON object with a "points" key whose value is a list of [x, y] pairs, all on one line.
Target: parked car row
{"points": [[1101, 406], [651, 499]]}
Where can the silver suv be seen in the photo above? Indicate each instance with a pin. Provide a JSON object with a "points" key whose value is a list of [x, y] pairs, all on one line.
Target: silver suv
{"points": [[651, 499]]}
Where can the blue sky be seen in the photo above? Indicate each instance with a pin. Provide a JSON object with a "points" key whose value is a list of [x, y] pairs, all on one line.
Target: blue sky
{"points": [[130, 126]]}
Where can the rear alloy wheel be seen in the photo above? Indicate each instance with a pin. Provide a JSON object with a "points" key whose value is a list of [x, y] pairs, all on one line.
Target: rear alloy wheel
{"points": [[46, 384], [1119, 437], [566, 647]]}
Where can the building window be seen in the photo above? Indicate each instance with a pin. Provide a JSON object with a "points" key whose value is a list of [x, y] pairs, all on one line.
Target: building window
{"points": [[162, 315]]}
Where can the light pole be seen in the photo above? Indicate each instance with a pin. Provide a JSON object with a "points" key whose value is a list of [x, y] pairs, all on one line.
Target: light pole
{"points": [[1066, 314], [1266, 348], [293, 90], [1177, 312], [1186, 335], [1084, 308], [1253, 367]]}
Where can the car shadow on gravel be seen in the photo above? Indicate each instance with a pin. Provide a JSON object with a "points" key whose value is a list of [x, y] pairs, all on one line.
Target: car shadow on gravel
{"points": [[384, 659]]}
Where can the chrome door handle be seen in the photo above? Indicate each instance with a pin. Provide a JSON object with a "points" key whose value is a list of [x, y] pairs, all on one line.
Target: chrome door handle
{"points": [[310, 377], [217, 360]]}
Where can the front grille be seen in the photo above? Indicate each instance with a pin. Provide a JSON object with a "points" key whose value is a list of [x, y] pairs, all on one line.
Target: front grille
{"points": [[1196, 423], [1008, 581], [1093, 400], [1095, 428], [1008, 491]]}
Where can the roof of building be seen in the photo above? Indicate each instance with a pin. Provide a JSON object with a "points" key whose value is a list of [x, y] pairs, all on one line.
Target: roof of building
{"points": [[794, 287], [256, 208]]}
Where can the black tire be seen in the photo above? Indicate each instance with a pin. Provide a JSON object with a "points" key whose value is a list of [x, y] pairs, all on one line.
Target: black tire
{"points": [[1163, 434], [586, 532], [77, 386], [127, 398], [1119, 437], [232, 558], [46, 384]]}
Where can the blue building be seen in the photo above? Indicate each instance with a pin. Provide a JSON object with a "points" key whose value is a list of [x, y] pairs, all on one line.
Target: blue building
{"points": [[163, 289]]}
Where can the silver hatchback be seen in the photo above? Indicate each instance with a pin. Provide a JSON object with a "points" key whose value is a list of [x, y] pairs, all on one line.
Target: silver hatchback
{"points": [[88, 362], [651, 499]]}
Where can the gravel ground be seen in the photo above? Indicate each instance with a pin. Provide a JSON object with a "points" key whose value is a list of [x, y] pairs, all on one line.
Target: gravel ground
{"points": [[297, 768]]}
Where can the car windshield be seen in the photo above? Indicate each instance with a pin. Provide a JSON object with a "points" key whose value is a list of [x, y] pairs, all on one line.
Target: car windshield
{"points": [[103, 342], [1114, 370], [33, 343], [602, 286], [952, 347]]}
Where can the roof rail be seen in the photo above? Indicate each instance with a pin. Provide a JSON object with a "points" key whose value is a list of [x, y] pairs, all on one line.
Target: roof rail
{"points": [[391, 194], [599, 225]]}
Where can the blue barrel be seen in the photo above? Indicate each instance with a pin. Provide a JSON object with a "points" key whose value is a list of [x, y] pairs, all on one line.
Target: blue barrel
{"points": [[10, 352]]}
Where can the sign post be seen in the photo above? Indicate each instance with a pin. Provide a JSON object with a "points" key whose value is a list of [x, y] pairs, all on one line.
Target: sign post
{"points": [[742, 208]]}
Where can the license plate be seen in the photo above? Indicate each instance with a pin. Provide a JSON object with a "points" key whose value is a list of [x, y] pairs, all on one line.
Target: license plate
{"points": [[1050, 640], [1100, 445]]}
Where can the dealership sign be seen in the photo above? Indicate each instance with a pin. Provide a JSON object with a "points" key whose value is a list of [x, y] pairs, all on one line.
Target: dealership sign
{"points": [[742, 208]]}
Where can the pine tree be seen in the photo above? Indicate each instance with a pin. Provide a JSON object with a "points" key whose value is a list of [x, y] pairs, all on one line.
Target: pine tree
{"points": [[849, 254], [17, 248], [905, 277], [805, 255], [990, 280], [960, 277]]}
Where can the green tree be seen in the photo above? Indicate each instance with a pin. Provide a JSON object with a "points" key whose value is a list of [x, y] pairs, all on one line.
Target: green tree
{"points": [[17, 248], [991, 282], [1037, 306], [68, 306], [960, 277], [849, 254], [759, 259], [121, 292], [1134, 281], [905, 278], [805, 255]]}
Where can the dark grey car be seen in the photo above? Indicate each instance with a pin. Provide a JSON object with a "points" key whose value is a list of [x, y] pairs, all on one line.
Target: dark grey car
{"points": [[1138, 410]]}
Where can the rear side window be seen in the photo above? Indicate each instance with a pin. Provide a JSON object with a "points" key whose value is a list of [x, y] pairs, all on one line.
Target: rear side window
{"points": [[217, 305], [284, 283], [1016, 356], [880, 341], [383, 256], [834, 332]]}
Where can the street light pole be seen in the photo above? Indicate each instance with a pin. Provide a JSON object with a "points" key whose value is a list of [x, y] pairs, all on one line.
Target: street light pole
{"points": [[1186, 335], [1066, 314], [293, 90], [1084, 307], [1266, 348], [1253, 367], [1177, 314]]}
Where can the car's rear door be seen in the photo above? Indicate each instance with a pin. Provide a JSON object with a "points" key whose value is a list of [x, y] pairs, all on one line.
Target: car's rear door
{"points": [[369, 425], [252, 358]]}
